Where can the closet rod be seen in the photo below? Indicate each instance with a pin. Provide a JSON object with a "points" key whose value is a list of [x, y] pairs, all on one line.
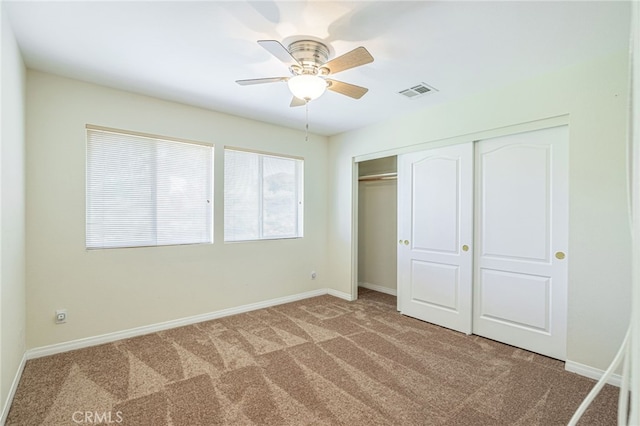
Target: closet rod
{"points": [[379, 176]]}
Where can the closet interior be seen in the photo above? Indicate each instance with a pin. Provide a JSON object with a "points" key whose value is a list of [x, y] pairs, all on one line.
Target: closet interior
{"points": [[377, 224]]}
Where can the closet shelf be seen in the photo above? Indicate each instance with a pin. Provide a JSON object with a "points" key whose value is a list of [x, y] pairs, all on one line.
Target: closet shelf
{"points": [[378, 176]]}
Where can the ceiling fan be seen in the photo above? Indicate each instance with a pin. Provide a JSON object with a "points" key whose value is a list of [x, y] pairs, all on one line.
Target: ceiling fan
{"points": [[309, 66]]}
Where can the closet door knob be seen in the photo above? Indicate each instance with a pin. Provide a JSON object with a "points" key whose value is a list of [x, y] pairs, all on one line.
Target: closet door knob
{"points": [[465, 248], [560, 255], [406, 242]]}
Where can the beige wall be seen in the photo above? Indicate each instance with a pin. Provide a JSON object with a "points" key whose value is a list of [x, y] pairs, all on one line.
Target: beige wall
{"points": [[113, 290], [595, 98], [12, 213]]}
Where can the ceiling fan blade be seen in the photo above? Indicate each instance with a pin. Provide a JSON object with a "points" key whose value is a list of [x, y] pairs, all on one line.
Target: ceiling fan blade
{"points": [[296, 102], [355, 58], [261, 80], [351, 90], [279, 51]]}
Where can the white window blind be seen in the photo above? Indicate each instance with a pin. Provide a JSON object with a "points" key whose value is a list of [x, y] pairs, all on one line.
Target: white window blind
{"points": [[147, 191], [262, 196]]}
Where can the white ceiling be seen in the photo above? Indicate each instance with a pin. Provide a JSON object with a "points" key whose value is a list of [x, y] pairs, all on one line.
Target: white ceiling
{"points": [[192, 52]]}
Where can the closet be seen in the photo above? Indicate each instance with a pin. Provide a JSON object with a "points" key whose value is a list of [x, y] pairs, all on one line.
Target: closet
{"points": [[377, 225], [482, 238]]}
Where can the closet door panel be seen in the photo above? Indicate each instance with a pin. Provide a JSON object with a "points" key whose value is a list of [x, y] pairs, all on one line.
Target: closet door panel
{"points": [[434, 183], [435, 284], [516, 207], [520, 300], [435, 215], [521, 220]]}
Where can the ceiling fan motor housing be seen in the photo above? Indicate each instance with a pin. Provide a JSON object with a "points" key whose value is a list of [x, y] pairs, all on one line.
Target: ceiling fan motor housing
{"points": [[311, 55]]}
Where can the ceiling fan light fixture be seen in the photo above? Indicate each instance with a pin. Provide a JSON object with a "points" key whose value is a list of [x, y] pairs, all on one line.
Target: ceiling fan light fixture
{"points": [[307, 87]]}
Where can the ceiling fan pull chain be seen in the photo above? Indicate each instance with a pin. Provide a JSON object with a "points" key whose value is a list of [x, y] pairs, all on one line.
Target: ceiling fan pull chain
{"points": [[306, 107]]}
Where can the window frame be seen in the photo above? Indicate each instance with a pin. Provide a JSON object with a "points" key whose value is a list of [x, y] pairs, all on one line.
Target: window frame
{"points": [[299, 180], [154, 178]]}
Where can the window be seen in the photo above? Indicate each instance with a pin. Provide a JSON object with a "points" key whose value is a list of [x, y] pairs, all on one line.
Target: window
{"points": [[262, 196], [147, 191]]}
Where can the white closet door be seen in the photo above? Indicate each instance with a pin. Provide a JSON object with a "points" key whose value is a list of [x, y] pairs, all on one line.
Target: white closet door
{"points": [[520, 282], [435, 219]]}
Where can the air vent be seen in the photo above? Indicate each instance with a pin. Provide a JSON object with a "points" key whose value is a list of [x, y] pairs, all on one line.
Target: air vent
{"points": [[417, 91]]}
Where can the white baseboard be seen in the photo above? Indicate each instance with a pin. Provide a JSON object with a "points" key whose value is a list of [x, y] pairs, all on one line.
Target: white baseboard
{"points": [[381, 289], [591, 372], [12, 390], [340, 294], [139, 331]]}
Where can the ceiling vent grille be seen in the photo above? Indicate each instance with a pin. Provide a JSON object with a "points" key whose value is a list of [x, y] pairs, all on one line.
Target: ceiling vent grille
{"points": [[417, 91]]}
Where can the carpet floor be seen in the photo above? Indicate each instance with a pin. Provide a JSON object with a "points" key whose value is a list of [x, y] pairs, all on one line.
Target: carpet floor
{"points": [[319, 361]]}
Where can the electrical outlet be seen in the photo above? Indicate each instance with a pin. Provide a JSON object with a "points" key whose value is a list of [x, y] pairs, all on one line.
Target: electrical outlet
{"points": [[313, 275], [61, 316]]}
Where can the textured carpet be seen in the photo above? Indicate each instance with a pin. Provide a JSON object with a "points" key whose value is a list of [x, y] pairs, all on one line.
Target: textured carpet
{"points": [[320, 361]]}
